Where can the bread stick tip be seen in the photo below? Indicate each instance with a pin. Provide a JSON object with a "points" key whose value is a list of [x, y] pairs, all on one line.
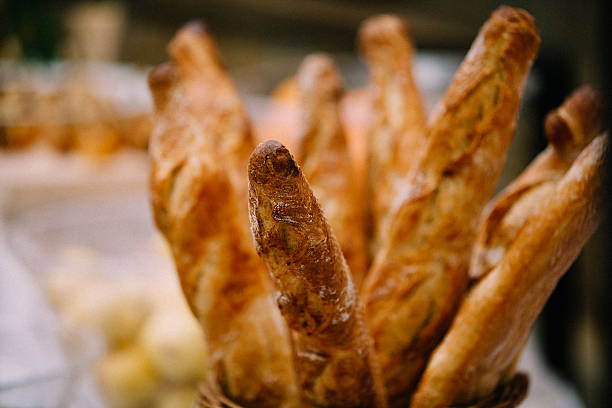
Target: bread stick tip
{"points": [[161, 76], [160, 79], [516, 22], [382, 31], [271, 159], [195, 27], [318, 71], [578, 117], [193, 47], [380, 27], [515, 15]]}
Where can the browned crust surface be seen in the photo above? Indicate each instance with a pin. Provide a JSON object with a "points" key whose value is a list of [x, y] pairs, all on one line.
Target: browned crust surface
{"points": [[198, 176], [398, 121], [569, 129], [332, 349], [494, 320], [325, 159], [573, 125], [420, 273]]}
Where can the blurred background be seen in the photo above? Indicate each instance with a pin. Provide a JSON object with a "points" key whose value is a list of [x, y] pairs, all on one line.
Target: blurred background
{"points": [[262, 43]]}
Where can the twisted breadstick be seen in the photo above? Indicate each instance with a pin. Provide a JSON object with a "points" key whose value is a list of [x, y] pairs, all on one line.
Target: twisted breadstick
{"points": [[197, 181], [325, 159], [332, 349], [569, 129], [420, 273], [398, 121], [479, 351]]}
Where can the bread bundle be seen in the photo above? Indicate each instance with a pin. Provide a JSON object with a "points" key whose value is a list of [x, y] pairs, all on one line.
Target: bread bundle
{"points": [[442, 312]]}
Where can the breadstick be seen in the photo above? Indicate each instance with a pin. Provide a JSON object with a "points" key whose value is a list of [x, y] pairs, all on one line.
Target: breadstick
{"points": [[398, 121], [325, 159], [280, 121], [197, 206], [494, 321], [569, 129], [214, 97], [287, 91], [332, 349], [420, 273]]}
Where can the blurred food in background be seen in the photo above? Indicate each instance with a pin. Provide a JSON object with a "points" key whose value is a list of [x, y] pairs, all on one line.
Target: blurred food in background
{"points": [[93, 108], [108, 277], [154, 348], [73, 97]]}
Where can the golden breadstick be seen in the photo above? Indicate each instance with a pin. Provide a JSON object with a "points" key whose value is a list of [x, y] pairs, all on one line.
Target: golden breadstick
{"points": [[280, 118], [332, 348], [195, 55], [196, 149], [494, 321], [280, 121], [398, 121], [420, 273], [287, 91], [325, 160], [569, 129]]}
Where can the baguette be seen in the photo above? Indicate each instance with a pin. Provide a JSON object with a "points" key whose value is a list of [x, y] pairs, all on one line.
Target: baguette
{"points": [[420, 273], [197, 151], [280, 121], [569, 129], [280, 117], [493, 324], [214, 97], [398, 120], [333, 353], [325, 160]]}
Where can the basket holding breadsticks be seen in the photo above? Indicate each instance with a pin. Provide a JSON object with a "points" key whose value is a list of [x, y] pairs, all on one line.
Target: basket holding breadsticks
{"points": [[325, 281]]}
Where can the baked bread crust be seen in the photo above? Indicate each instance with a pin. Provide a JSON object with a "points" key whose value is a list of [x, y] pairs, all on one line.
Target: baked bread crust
{"points": [[420, 273], [198, 165], [325, 160], [569, 129], [323, 348], [398, 120], [492, 326], [333, 352]]}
